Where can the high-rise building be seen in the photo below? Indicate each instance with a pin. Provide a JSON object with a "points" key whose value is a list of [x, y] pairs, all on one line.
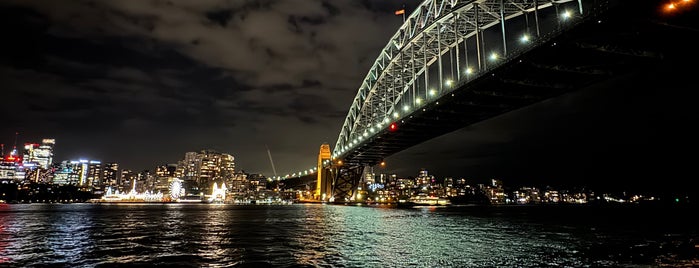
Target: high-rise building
{"points": [[110, 174], [42, 154], [164, 177], [127, 177], [200, 170], [29, 160], [94, 174], [10, 169], [82, 173], [67, 173]]}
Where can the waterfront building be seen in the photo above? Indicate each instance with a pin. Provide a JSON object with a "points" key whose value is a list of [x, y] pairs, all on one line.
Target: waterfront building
{"points": [[257, 182], [110, 174], [126, 177], [11, 168], [527, 195], [28, 159], [67, 173], [85, 174], [164, 177], [551, 196], [200, 170], [494, 192], [94, 174], [39, 155], [145, 181]]}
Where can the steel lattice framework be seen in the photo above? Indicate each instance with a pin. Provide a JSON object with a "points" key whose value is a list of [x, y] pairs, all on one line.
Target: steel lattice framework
{"points": [[440, 46]]}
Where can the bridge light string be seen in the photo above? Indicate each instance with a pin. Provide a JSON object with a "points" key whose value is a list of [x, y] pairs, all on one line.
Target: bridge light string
{"points": [[310, 171]]}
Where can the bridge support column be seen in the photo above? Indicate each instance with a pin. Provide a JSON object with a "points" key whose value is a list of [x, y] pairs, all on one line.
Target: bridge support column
{"points": [[324, 184]]}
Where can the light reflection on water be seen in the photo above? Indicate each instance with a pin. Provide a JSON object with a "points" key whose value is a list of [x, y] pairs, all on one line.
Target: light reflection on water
{"points": [[195, 235]]}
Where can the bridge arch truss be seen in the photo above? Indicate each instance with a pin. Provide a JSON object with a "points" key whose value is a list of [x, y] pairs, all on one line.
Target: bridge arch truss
{"points": [[444, 44]]}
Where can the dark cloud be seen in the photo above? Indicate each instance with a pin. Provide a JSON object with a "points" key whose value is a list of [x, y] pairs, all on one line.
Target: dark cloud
{"points": [[146, 81]]}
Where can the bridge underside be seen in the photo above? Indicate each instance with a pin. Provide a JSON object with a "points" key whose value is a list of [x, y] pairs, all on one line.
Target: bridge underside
{"points": [[591, 53]]}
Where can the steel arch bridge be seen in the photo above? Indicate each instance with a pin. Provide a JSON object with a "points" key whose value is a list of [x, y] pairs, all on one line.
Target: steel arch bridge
{"points": [[457, 62]]}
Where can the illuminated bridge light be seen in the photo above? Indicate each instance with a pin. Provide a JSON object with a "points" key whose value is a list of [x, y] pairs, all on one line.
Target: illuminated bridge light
{"points": [[524, 39], [566, 15], [433, 92], [469, 70], [406, 108], [393, 127], [396, 115], [418, 101], [448, 82], [494, 56]]}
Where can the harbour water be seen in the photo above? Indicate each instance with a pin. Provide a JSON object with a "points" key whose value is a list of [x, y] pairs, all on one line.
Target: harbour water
{"points": [[315, 235]]}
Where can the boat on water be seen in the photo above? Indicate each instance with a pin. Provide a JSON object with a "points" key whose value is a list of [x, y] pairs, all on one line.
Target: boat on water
{"points": [[130, 197], [423, 199]]}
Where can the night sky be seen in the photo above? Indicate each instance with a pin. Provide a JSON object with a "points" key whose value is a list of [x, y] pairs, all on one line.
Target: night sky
{"points": [[142, 82]]}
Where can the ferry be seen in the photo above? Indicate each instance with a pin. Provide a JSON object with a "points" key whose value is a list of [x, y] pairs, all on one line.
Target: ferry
{"points": [[423, 199]]}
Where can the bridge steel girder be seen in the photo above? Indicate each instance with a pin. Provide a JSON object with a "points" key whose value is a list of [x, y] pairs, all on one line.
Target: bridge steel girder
{"points": [[345, 179], [399, 87]]}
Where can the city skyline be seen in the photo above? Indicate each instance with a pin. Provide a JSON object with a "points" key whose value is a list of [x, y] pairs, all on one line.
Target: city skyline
{"points": [[142, 83]]}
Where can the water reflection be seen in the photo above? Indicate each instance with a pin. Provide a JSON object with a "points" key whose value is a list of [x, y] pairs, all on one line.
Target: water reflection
{"points": [[346, 236]]}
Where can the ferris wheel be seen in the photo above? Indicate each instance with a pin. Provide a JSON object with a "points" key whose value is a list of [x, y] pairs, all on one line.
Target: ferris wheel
{"points": [[176, 189]]}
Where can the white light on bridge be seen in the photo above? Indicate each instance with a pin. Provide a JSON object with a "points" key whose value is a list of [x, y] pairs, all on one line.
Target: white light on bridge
{"points": [[566, 14], [395, 115], [448, 82], [524, 39], [469, 70], [418, 101], [494, 56], [433, 92], [406, 108]]}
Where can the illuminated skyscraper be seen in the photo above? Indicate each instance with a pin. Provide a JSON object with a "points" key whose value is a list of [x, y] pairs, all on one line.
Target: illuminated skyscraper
{"points": [[29, 160], [43, 155], [110, 174], [126, 179], [83, 173], [67, 173], [94, 174], [200, 170]]}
